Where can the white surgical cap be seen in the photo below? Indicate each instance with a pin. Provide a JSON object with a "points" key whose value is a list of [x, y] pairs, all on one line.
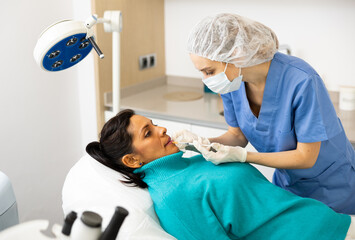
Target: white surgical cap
{"points": [[233, 39]]}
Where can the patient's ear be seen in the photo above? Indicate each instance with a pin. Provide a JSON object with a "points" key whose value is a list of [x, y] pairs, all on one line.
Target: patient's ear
{"points": [[131, 161]]}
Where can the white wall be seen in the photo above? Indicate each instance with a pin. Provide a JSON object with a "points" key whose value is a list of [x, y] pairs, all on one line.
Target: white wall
{"points": [[42, 122], [322, 32], [86, 82]]}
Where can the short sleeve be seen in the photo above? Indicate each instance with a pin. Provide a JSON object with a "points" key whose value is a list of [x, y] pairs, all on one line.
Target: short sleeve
{"points": [[229, 112], [315, 117]]}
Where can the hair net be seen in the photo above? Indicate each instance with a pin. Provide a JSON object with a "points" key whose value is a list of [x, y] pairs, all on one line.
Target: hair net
{"points": [[233, 39]]}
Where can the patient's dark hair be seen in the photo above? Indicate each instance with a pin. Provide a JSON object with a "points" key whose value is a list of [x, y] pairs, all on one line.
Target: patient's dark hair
{"points": [[115, 142]]}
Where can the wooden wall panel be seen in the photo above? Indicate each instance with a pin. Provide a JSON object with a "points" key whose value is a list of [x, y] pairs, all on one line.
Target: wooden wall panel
{"points": [[142, 33]]}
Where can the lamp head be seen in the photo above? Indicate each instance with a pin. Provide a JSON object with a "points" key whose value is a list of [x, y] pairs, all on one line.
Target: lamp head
{"points": [[62, 45]]}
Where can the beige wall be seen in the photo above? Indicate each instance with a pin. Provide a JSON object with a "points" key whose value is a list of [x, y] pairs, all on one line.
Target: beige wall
{"points": [[143, 33]]}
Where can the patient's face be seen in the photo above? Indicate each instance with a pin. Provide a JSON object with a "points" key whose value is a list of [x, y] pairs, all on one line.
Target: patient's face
{"points": [[150, 141]]}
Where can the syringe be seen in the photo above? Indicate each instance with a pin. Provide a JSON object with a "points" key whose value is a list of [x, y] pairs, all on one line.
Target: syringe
{"points": [[191, 147]]}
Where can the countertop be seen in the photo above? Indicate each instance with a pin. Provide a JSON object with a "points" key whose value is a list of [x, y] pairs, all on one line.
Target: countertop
{"points": [[204, 111]]}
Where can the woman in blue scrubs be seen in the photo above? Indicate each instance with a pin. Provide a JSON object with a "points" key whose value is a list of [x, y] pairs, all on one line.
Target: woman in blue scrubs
{"points": [[279, 104]]}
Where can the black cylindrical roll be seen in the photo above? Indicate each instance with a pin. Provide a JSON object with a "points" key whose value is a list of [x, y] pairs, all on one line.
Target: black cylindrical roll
{"points": [[68, 223], [115, 224]]}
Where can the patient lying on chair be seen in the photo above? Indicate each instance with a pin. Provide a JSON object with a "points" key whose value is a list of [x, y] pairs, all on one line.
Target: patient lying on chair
{"points": [[195, 199]]}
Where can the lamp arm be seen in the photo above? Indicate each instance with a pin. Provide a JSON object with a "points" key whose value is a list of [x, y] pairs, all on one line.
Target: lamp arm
{"points": [[112, 23], [89, 23], [115, 26], [116, 72]]}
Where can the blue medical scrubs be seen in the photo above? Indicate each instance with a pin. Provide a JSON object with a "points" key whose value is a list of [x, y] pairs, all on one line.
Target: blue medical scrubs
{"points": [[296, 107]]}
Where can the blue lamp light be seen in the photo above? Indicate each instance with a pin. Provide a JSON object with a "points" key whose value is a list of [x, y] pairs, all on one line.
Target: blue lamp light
{"points": [[67, 42]]}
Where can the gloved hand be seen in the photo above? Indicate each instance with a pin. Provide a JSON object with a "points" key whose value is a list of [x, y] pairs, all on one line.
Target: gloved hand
{"points": [[185, 136], [223, 153]]}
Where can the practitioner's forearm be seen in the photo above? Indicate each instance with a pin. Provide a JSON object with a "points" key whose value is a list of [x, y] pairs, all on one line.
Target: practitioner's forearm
{"points": [[303, 157], [233, 137]]}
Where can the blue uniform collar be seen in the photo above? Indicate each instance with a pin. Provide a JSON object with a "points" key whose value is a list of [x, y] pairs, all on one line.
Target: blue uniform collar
{"points": [[163, 168], [270, 96]]}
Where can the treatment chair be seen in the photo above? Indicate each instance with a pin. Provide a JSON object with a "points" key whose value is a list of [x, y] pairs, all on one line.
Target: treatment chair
{"points": [[8, 205]]}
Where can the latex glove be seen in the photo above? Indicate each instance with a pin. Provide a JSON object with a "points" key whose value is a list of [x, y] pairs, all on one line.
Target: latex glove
{"points": [[185, 136], [223, 153]]}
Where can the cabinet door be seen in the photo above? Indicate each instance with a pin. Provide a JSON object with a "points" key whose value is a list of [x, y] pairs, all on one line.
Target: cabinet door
{"points": [[207, 131], [215, 132], [171, 126]]}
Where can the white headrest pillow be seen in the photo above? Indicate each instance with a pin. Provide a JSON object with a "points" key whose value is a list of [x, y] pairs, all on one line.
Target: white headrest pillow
{"points": [[92, 186]]}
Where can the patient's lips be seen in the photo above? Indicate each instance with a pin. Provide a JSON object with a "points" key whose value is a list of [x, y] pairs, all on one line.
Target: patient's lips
{"points": [[169, 142]]}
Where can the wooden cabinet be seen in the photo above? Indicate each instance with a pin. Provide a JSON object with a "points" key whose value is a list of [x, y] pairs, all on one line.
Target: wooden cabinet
{"points": [[142, 34]]}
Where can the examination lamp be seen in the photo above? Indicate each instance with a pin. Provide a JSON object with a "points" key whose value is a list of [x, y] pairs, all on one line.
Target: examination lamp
{"points": [[67, 42]]}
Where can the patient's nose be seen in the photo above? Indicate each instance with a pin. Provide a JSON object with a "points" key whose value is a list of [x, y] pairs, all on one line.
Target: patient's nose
{"points": [[162, 130]]}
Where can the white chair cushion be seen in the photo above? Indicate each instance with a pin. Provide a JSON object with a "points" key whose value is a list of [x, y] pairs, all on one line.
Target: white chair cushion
{"points": [[91, 186]]}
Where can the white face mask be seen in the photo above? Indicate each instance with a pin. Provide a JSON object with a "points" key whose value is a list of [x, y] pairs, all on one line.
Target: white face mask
{"points": [[220, 83]]}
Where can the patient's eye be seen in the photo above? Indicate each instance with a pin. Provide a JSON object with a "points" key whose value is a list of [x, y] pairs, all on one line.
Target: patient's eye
{"points": [[147, 134]]}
